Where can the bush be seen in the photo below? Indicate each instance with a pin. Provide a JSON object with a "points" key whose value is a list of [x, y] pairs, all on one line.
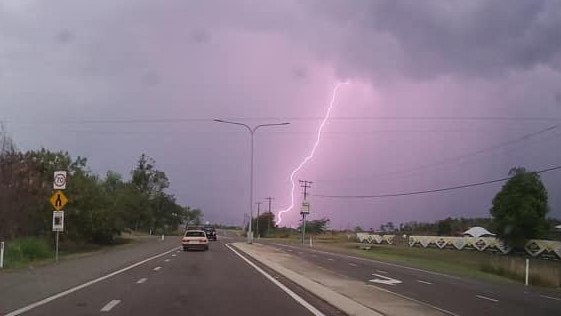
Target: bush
{"points": [[21, 251]]}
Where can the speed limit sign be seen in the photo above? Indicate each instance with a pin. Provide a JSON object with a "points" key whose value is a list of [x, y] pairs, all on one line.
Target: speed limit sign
{"points": [[59, 180]]}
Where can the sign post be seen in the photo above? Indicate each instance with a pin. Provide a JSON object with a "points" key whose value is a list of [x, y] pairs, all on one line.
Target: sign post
{"points": [[304, 211], [58, 226], [58, 201]]}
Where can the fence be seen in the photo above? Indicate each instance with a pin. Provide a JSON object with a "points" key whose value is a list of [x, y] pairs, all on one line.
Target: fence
{"points": [[534, 247]]}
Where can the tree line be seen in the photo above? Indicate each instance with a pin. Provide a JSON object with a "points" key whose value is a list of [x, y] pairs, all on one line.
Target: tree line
{"points": [[99, 208], [518, 213]]}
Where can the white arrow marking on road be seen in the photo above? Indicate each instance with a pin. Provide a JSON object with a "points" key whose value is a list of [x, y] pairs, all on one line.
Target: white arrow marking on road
{"points": [[141, 281], [385, 280], [110, 306], [424, 282]]}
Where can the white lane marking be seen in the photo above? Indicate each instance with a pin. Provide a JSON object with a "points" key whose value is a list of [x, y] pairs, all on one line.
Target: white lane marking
{"points": [[353, 265], [167, 260], [414, 300], [300, 253], [174, 255], [110, 306], [289, 250], [141, 281], [288, 291], [385, 280], [381, 271], [330, 259], [551, 297], [424, 282], [83, 285], [157, 268], [380, 262], [487, 298]]}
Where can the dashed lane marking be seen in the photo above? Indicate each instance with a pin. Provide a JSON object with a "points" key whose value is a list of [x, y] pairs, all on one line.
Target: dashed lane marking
{"points": [[110, 306], [424, 282], [487, 298]]}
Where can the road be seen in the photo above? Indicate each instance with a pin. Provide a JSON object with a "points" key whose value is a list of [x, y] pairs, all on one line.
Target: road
{"points": [[215, 282], [454, 295]]}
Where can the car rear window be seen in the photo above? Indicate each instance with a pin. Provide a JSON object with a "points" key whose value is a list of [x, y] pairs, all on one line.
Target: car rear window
{"points": [[195, 234]]}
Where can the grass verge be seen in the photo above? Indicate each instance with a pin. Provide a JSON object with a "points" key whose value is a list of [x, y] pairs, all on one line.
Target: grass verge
{"points": [[35, 251]]}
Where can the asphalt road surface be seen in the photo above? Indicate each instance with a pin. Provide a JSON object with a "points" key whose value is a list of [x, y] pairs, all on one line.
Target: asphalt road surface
{"points": [[454, 295], [215, 282]]}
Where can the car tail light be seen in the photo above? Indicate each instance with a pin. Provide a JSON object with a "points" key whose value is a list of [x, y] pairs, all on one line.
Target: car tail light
{"points": [[185, 239], [202, 240]]}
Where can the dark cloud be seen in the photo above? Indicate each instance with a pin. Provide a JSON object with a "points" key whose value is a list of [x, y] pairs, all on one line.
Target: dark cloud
{"points": [[430, 38]]}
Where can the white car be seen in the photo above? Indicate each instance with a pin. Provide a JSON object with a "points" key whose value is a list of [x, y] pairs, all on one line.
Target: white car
{"points": [[194, 239]]}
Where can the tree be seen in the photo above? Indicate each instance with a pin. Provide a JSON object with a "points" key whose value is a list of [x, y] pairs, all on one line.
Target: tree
{"points": [[519, 210], [317, 226], [266, 223], [445, 227]]}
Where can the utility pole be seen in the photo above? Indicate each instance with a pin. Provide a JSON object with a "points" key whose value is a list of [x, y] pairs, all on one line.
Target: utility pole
{"points": [[257, 224], [270, 215], [305, 185]]}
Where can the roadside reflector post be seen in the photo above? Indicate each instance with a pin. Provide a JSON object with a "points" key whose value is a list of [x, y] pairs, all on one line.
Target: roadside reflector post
{"points": [[311, 243], [1, 255], [163, 237], [527, 270]]}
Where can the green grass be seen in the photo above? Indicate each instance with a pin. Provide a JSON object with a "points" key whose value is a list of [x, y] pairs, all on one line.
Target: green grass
{"points": [[21, 252], [25, 252]]}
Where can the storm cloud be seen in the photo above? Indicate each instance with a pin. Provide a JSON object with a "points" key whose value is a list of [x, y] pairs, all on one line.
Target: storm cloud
{"points": [[442, 93]]}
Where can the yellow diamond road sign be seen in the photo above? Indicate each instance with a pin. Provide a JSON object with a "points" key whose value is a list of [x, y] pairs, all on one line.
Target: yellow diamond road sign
{"points": [[58, 200]]}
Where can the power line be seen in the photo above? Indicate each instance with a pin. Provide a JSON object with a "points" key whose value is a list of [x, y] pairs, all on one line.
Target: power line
{"points": [[309, 118], [457, 158], [427, 191]]}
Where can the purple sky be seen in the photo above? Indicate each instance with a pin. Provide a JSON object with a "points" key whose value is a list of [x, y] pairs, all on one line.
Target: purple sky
{"points": [[430, 81]]}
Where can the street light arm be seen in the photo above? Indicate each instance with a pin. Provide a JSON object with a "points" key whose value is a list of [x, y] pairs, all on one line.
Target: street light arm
{"points": [[272, 124], [235, 123]]}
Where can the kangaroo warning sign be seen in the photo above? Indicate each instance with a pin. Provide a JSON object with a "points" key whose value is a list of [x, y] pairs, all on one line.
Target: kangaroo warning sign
{"points": [[58, 200]]}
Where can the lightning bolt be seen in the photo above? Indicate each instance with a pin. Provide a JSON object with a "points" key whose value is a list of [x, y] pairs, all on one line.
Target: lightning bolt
{"points": [[312, 152]]}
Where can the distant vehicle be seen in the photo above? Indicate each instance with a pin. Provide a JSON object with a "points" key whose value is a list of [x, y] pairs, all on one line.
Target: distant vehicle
{"points": [[210, 232], [194, 239]]}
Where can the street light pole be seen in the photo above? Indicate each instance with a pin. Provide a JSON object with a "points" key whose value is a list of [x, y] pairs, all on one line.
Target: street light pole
{"points": [[251, 133]]}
